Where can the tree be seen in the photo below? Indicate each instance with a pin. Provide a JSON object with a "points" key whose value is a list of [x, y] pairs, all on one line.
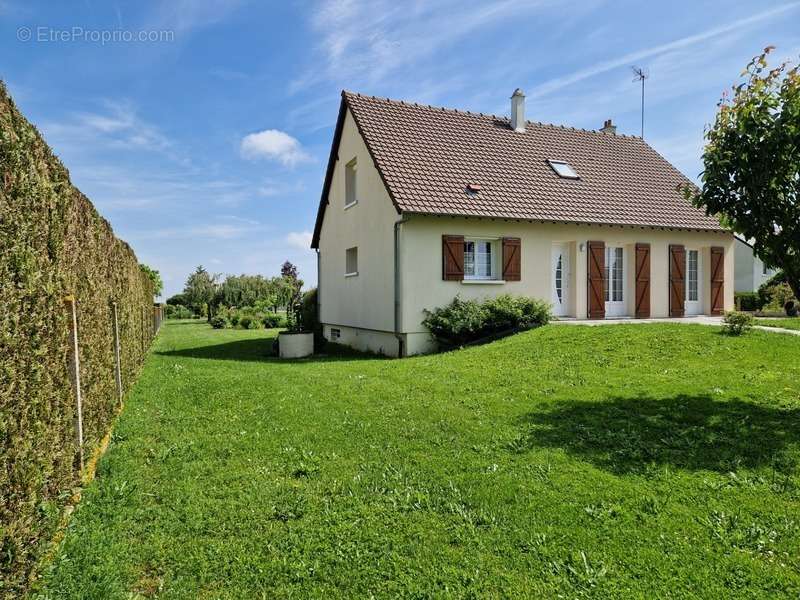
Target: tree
{"points": [[178, 299], [289, 271], [155, 277], [200, 291], [751, 175]]}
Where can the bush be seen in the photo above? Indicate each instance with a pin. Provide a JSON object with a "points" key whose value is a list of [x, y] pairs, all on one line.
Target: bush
{"points": [[791, 308], [747, 301], [510, 312], [218, 322], [779, 295], [273, 321], [172, 311], [234, 318], [737, 323], [464, 321], [248, 322], [775, 293]]}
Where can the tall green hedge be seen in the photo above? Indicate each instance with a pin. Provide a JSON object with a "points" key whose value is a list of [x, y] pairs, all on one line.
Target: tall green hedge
{"points": [[54, 243]]}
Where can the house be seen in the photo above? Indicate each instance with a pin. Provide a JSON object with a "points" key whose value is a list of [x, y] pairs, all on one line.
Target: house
{"points": [[421, 204], [750, 272]]}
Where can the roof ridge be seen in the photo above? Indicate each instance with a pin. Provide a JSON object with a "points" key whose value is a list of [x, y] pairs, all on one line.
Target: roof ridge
{"points": [[410, 104]]}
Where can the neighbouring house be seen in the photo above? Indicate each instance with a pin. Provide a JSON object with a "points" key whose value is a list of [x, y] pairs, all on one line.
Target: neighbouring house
{"points": [[421, 204], [750, 271]]}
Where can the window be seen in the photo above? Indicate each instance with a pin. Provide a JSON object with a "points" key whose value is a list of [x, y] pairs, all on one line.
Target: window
{"points": [[560, 278], [350, 197], [351, 262], [479, 259], [764, 270], [692, 294], [335, 333], [613, 274], [563, 169]]}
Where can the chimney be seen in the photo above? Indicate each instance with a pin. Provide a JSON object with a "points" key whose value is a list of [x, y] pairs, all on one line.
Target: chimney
{"points": [[609, 127], [518, 111]]}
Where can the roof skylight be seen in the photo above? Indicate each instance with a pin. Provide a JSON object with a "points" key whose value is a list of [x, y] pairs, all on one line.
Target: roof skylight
{"points": [[563, 169]]}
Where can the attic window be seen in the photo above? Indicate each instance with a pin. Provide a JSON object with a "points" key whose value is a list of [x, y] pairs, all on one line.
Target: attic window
{"points": [[563, 169]]}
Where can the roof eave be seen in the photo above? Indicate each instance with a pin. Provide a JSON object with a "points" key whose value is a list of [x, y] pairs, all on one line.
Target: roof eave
{"points": [[719, 229], [332, 158]]}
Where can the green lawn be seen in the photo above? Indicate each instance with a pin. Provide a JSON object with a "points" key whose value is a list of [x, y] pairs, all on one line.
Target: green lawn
{"points": [[788, 323], [622, 461]]}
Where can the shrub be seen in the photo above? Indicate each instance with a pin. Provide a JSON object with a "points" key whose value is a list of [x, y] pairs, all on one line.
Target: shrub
{"points": [[737, 323], [310, 318], [779, 294], [774, 293], [464, 321], [273, 321], [791, 308], [509, 312], [248, 322], [177, 312], [747, 301], [458, 322], [218, 322], [234, 318]]}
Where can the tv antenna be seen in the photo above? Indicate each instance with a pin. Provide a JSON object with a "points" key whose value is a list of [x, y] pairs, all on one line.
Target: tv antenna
{"points": [[641, 75]]}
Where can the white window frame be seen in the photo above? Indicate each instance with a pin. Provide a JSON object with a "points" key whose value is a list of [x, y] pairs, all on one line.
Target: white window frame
{"points": [[495, 247], [346, 254], [351, 183], [563, 169], [689, 281], [619, 270]]}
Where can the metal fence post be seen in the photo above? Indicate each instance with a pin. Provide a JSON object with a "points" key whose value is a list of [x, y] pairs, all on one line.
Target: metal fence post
{"points": [[75, 371], [117, 365]]}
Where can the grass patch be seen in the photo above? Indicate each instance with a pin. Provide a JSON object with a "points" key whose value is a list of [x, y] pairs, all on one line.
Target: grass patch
{"points": [[627, 461], [787, 323]]}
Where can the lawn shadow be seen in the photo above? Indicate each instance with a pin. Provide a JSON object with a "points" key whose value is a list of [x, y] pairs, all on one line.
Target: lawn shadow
{"points": [[624, 435], [262, 350]]}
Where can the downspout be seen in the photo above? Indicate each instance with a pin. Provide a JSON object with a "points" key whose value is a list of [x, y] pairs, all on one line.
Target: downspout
{"points": [[398, 306], [319, 288]]}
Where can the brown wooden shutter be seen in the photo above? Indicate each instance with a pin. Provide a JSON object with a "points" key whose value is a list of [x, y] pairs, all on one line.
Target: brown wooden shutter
{"points": [[512, 259], [717, 280], [677, 280], [642, 281], [596, 271], [453, 257]]}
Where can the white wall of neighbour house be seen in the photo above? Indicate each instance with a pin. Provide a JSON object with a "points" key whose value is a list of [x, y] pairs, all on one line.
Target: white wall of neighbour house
{"points": [[749, 269], [360, 306], [422, 286]]}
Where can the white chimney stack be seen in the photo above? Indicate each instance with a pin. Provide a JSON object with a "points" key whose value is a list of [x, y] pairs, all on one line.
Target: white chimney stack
{"points": [[518, 111]]}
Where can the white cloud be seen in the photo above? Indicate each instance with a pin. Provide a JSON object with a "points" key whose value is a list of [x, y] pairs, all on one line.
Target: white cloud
{"points": [[627, 60], [187, 15], [272, 144], [219, 231], [364, 41], [299, 239], [116, 125]]}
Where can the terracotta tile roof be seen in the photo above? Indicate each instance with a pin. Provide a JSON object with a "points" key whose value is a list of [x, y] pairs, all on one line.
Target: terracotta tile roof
{"points": [[428, 156]]}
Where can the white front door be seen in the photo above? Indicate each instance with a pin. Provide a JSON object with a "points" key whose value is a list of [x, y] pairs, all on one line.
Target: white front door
{"points": [[561, 276], [692, 304], [615, 276]]}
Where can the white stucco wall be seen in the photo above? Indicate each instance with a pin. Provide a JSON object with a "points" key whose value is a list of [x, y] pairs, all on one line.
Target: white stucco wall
{"points": [[749, 269], [367, 299], [421, 249]]}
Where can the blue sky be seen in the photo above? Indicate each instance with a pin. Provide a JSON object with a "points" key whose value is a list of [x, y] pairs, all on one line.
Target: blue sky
{"points": [[208, 145]]}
